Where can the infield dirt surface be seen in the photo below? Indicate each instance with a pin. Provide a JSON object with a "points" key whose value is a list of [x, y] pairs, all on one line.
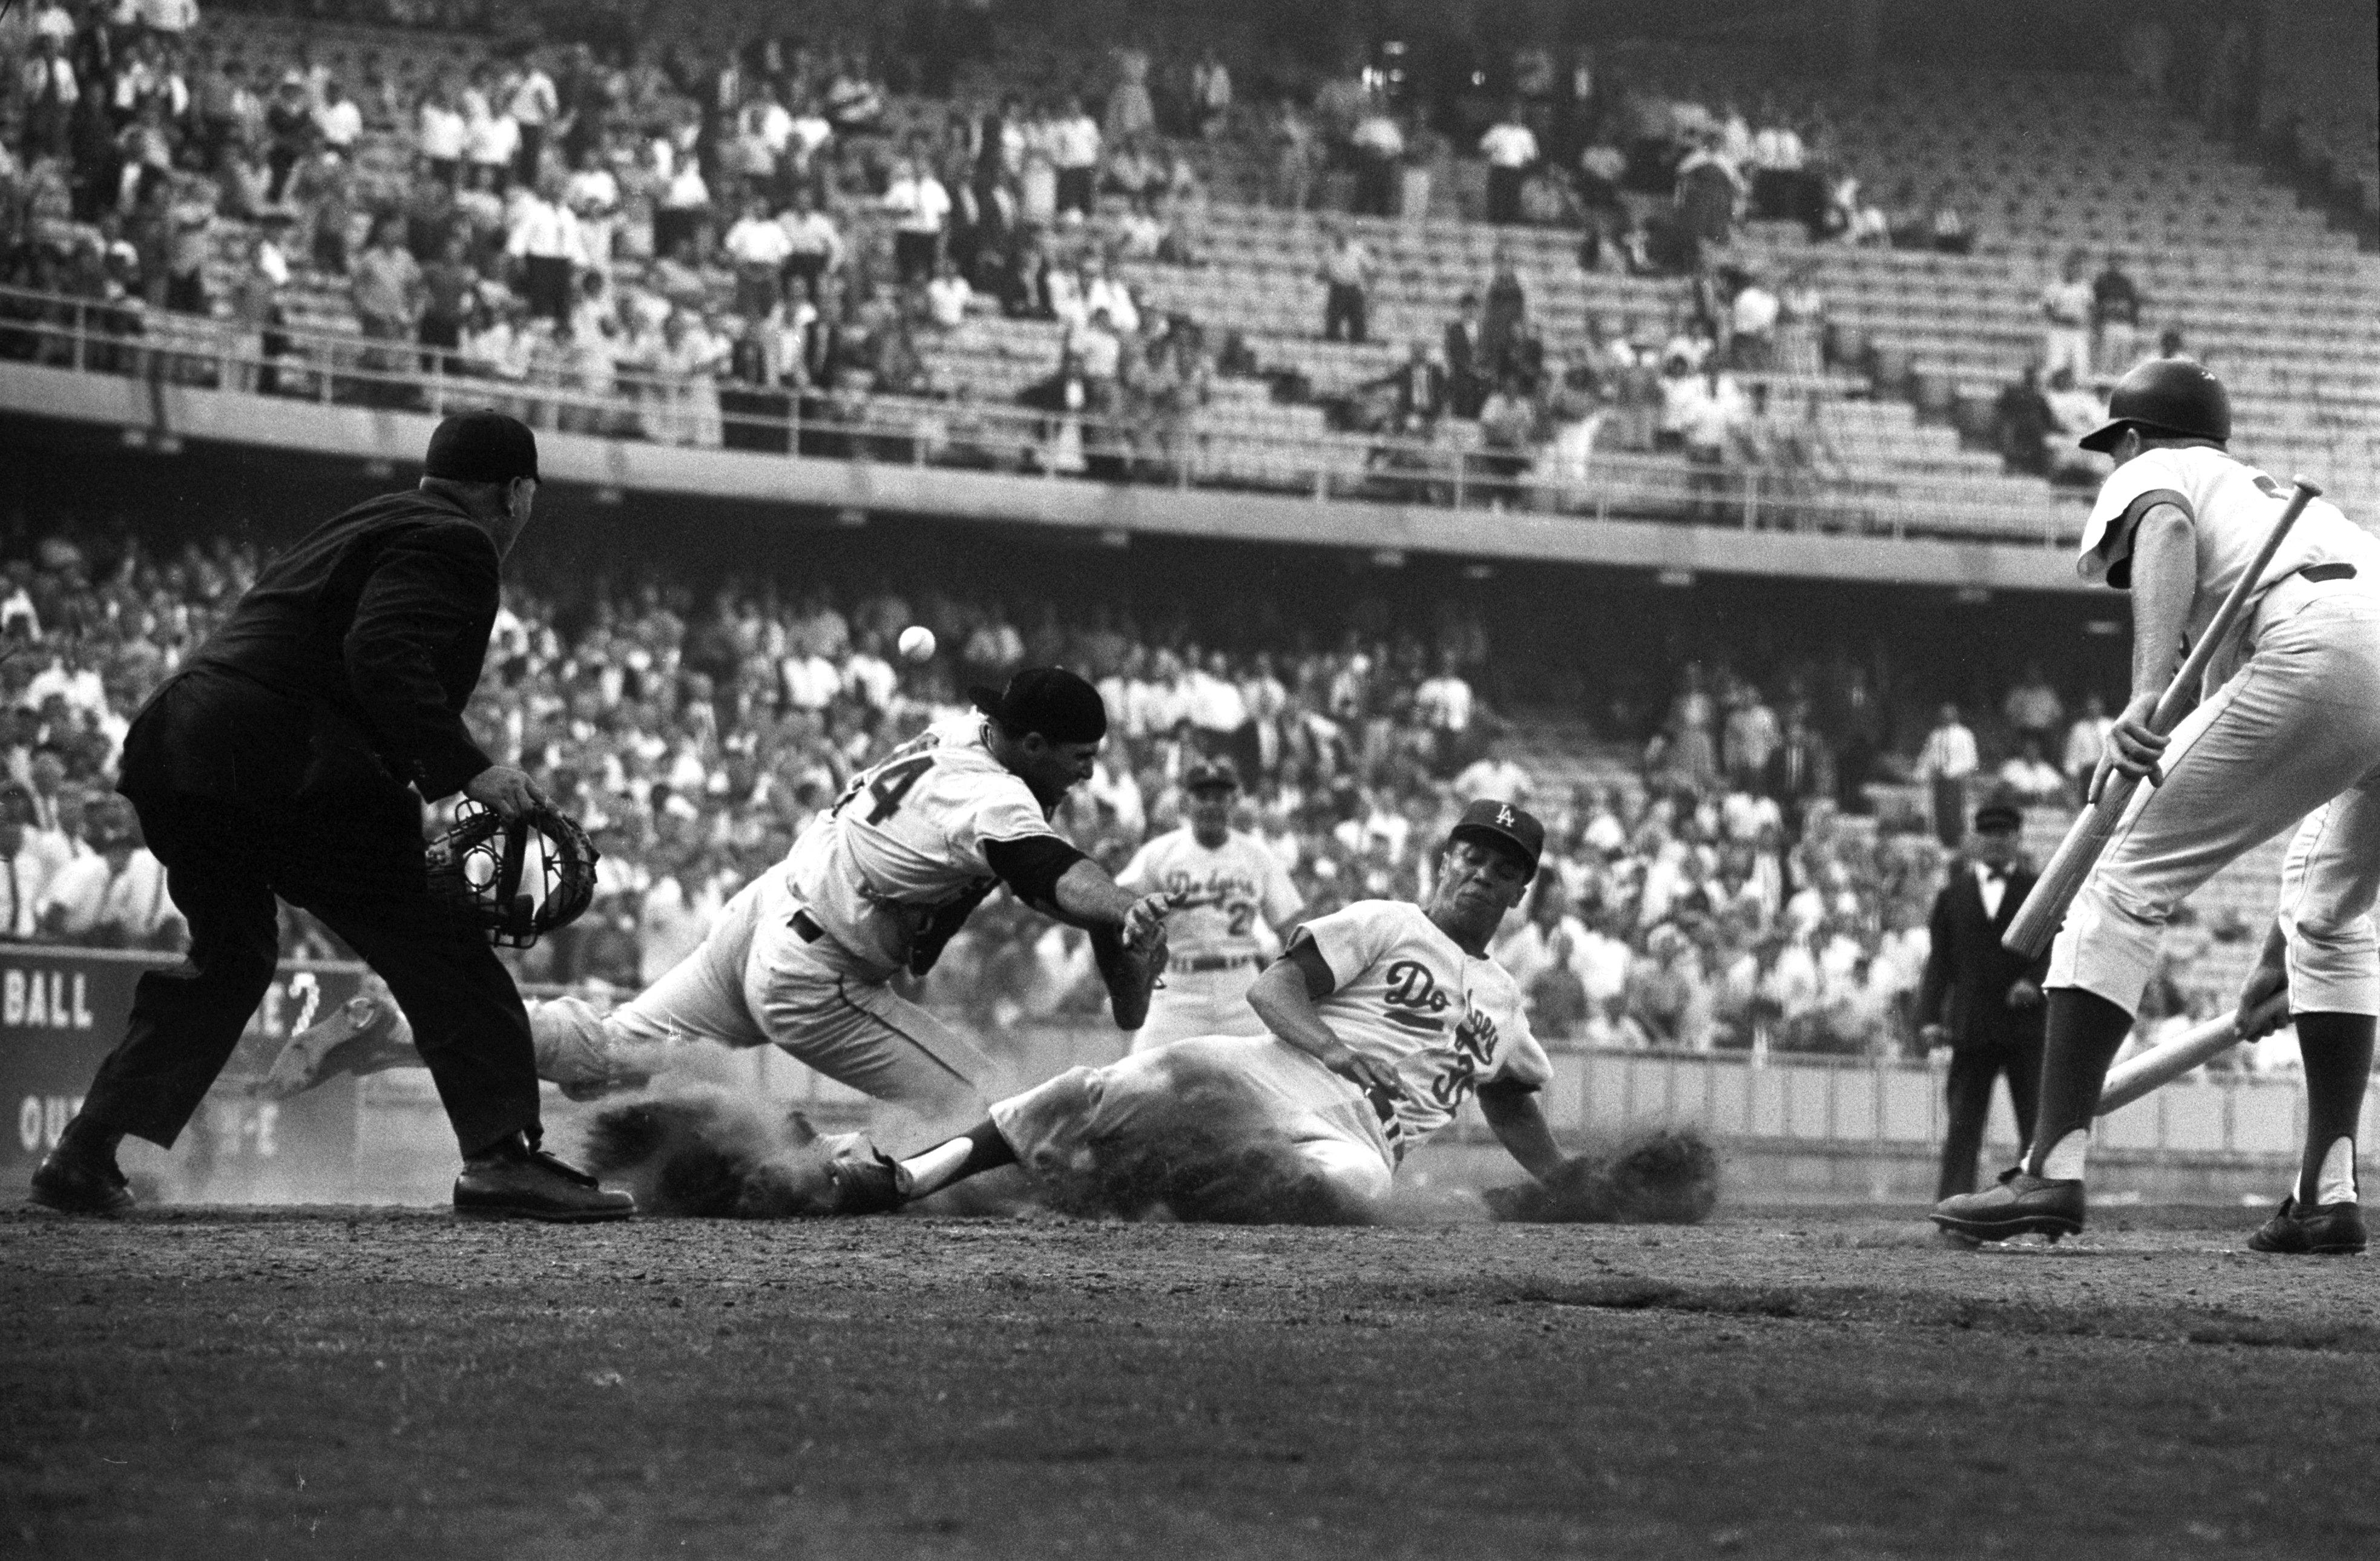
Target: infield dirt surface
{"points": [[326, 1382]]}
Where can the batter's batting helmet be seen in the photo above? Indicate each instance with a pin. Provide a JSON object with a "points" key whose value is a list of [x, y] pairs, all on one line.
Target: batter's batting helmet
{"points": [[2169, 396]]}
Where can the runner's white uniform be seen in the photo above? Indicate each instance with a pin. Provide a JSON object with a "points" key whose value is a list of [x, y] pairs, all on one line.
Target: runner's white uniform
{"points": [[2289, 722], [1212, 931], [1406, 994], [802, 956]]}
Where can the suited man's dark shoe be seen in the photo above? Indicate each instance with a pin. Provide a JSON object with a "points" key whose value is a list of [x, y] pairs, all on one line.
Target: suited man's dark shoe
{"points": [[72, 1183], [2330, 1230], [2020, 1206], [513, 1180]]}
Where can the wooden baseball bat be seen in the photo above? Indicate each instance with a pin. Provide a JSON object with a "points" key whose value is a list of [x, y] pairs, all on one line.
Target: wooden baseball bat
{"points": [[2160, 1065], [2036, 922]]}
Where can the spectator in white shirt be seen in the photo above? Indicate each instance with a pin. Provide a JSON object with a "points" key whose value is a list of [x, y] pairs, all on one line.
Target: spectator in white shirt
{"points": [[439, 136], [919, 206], [813, 247], [1511, 149], [544, 238], [490, 142], [115, 898], [26, 865], [1075, 154], [338, 121], [1494, 774], [2031, 778], [532, 104], [1443, 704], [1943, 764], [2066, 321], [947, 295], [757, 246], [1753, 316]]}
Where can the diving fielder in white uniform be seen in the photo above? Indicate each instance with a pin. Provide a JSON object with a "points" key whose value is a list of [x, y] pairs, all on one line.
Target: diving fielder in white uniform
{"points": [[803, 957], [1219, 881], [2287, 734], [1384, 1018]]}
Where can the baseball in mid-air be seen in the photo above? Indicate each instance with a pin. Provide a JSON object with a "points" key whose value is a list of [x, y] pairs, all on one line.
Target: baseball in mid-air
{"points": [[916, 643]]}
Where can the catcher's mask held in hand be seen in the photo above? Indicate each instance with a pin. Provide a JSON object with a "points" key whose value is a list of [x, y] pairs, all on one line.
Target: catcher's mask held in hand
{"points": [[511, 886]]}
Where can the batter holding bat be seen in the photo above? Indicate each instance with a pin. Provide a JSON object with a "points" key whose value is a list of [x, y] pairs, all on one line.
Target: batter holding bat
{"points": [[2286, 732]]}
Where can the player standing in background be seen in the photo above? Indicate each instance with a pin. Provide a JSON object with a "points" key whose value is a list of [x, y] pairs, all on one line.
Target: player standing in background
{"points": [[1220, 882], [2289, 721], [1385, 1017], [804, 956]]}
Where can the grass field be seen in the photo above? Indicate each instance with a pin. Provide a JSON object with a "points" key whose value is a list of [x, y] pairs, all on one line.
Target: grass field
{"points": [[327, 1383]]}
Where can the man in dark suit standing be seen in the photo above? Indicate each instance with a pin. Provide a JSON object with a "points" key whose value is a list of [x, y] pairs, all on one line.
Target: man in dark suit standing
{"points": [[1465, 370], [291, 756], [1979, 1000]]}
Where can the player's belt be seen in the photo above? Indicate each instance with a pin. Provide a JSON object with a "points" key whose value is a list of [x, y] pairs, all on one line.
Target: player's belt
{"points": [[806, 930], [1219, 961], [2319, 573]]}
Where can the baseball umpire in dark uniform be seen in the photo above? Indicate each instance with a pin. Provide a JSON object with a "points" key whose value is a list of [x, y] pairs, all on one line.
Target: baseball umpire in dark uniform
{"points": [[291, 756], [1978, 999]]}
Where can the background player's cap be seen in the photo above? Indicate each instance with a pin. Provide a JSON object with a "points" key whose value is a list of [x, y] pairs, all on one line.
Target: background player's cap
{"points": [[2173, 396], [1207, 774], [483, 446], [1049, 700], [1504, 822]]}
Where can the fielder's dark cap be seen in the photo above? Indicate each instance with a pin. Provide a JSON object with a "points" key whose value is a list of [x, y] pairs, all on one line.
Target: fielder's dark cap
{"points": [[2167, 397], [1505, 824], [1999, 816], [1211, 775], [483, 446], [1049, 700]]}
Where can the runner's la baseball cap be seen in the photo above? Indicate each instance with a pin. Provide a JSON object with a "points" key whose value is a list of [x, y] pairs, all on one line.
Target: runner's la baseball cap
{"points": [[1052, 701], [1504, 824]]}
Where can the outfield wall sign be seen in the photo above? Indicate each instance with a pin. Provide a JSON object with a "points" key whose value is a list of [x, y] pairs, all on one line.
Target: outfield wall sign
{"points": [[62, 1010]]}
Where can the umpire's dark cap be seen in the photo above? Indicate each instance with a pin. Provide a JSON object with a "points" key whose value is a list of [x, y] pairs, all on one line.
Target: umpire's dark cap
{"points": [[1211, 775], [483, 446], [1052, 701], [1503, 824], [1999, 816]]}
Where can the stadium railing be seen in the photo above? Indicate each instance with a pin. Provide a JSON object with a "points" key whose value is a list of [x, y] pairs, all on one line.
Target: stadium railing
{"points": [[101, 336]]}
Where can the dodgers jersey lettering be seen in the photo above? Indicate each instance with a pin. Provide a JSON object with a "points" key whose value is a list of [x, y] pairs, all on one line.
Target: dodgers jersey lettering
{"points": [[906, 838], [1217, 895], [2233, 507], [1408, 996]]}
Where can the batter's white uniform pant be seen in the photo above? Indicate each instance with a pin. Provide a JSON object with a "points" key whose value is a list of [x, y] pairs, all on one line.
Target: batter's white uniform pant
{"points": [[756, 981], [1200, 1003], [1326, 1121], [2295, 729]]}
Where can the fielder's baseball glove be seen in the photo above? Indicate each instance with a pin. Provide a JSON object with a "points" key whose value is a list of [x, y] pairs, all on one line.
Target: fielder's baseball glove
{"points": [[477, 869], [1130, 974]]}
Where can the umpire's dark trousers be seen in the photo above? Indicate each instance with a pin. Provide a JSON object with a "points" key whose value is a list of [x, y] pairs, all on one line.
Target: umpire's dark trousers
{"points": [[356, 865], [1975, 1067]]}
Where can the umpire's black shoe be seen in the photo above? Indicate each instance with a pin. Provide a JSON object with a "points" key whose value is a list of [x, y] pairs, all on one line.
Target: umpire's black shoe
{"points": [[2328, 1230], [72, 1183], [2020, 1206], [875, 1185], [513, 1180]]}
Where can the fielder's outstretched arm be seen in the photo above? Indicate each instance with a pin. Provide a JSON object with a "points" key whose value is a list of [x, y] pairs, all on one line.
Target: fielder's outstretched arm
{"points": [[1518, 1121], [1059, 881]]}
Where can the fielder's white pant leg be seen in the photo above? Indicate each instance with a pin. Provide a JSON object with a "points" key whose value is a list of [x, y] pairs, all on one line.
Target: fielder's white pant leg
{"points": [[1052, 1126], [2297, 724], [1205, 1002], [2328, 882], [700, 999], [826, 1009]]}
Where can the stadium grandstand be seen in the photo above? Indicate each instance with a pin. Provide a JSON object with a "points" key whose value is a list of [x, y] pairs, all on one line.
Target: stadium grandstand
{"points": [[1661, 414]]}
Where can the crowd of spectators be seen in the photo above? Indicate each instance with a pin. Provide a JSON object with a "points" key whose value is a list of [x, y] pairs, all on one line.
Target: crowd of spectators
{"points": [[1734, 892]]}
